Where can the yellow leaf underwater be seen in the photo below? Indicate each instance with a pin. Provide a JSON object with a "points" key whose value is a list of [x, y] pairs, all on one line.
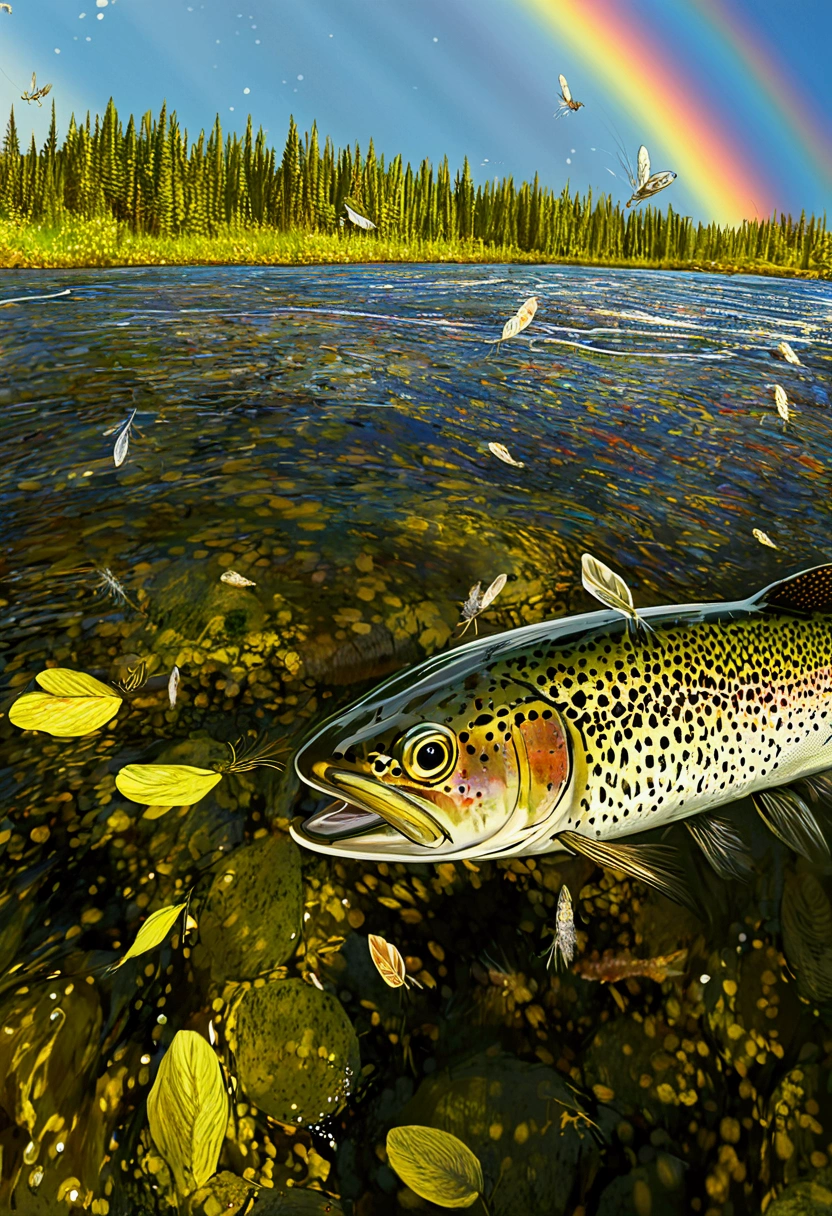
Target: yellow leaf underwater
{"points": [[187, 1110], [436, 1165], [166, 784], [62, 716], [63, 682], [153, 932], [81, 704]]}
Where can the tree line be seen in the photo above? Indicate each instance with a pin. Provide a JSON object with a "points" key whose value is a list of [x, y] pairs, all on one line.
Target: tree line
{"points": [[153, 177]]}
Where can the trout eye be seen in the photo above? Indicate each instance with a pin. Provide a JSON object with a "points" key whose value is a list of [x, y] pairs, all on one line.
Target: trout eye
{"points": [[429, 752]]}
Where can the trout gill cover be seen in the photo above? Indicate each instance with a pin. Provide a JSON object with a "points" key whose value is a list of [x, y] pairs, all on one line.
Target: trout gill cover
{"points": [[574, 733]]}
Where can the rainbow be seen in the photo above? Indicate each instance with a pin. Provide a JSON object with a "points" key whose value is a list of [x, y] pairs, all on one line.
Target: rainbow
{"points": [[653, 86], [809, 127]]}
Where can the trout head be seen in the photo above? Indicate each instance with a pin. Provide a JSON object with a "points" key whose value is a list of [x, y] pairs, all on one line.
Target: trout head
{"points": [[456, 764]]}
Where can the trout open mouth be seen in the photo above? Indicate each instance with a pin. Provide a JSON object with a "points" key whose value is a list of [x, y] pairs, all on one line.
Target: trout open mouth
{"points": [[363, 805]]}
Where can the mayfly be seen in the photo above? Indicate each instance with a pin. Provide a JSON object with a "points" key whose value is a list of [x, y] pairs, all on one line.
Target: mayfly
{"points": [[784, 351], [33, 93], [521, 319], [111, 584], [123, 442], [610, 589], [502, 453], [782, 402], [566, 939], [173, 686], [566, 102], [643, 183], [236, 580], [478, 601], [763, 538], [360, 221]]}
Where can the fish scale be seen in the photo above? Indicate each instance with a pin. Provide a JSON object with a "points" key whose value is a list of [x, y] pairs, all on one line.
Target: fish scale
{"points": [[582, 732], [691, 717]]}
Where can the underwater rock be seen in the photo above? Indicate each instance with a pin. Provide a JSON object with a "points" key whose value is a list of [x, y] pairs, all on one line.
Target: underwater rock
{"points": [[251, 919], [359, 657], [633, 1064], [807, 1197], [806, 916], [226, 1194], [521, 1120], [297, 1053], [654, 1188]]}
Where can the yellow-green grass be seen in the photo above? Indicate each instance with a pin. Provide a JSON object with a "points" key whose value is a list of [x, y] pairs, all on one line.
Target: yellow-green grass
{"points": [[104, 242]]}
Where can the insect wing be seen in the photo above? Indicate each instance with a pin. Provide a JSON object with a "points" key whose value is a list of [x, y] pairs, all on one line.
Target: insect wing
{"points": [[659, 181], [33, 87], [236, 580], [493, 591], [564, 88], [173, 686], [511, 328], [643, 166], [123, 443], [761, 536], [525, 314], [785, 352], [46, 88], [606, 585], [360, 220], [782, 402], [502, 453]]}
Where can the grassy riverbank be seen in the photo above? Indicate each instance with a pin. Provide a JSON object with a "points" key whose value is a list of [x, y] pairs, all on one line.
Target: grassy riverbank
{"points": [[104, 242]]}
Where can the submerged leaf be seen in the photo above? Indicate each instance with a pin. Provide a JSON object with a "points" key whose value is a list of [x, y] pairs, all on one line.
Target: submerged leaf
{"points": [[435, 1165], [64, 682], [63, 716], [388, 961], [153, 932], [187, 1110], [165, 784]]}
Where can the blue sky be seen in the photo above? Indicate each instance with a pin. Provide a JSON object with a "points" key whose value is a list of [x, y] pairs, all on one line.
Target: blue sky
{"points": [[422, 77]]}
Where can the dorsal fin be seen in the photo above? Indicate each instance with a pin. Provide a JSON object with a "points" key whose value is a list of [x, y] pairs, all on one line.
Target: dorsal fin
{"points": [[809, 591]]}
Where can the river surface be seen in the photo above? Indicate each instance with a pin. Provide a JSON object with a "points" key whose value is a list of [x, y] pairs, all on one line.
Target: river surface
{"points": [[324, 434]]}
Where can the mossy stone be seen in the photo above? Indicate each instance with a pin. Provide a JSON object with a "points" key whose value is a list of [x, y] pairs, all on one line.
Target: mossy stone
{"points": [[251, 919], [297, 1053], [510, 1114]]}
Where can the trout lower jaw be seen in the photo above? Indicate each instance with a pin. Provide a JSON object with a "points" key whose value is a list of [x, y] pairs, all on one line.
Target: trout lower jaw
{"points": [[367, 802]]}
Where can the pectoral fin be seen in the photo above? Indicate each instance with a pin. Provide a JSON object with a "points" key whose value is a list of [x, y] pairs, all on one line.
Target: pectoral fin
{"points": [[650, 863], [785, 813], [722, 844]]}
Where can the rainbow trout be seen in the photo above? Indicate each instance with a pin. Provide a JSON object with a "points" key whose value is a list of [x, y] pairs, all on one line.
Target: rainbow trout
{"points": [[578, 733]]}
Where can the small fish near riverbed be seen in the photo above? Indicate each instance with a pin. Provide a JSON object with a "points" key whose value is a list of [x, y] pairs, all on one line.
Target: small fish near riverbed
{"points": [[576, 734]]}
